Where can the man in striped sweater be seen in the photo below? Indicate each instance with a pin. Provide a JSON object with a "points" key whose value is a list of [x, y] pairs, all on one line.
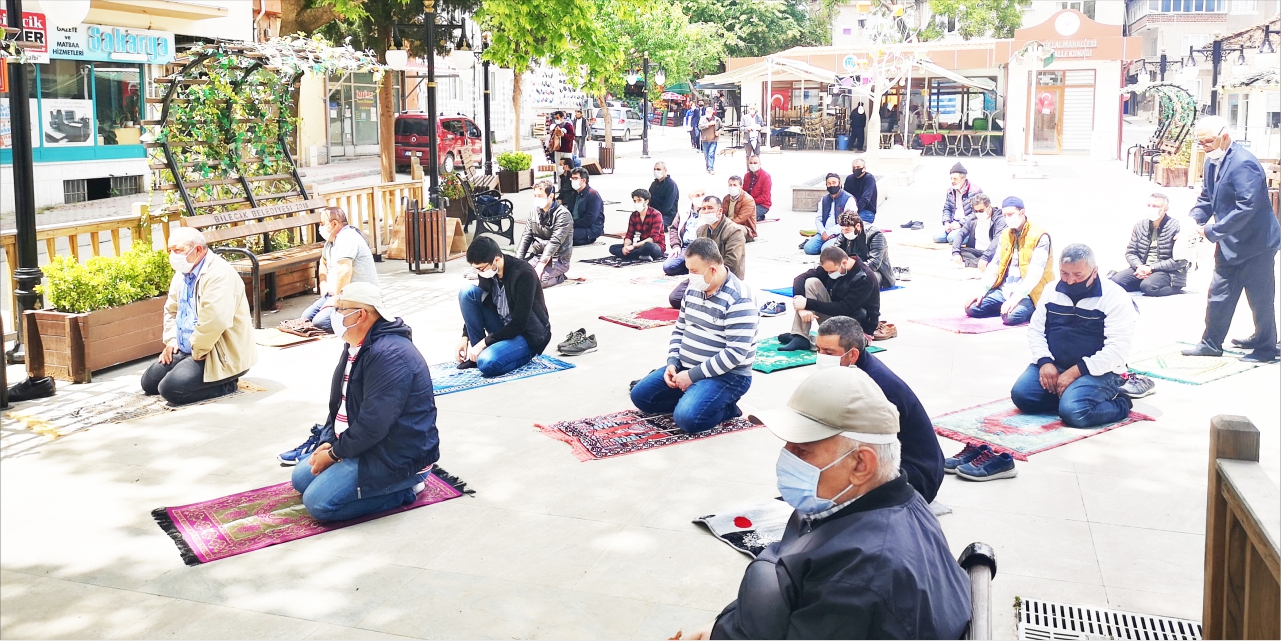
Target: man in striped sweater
{"points": [[709, 359]]}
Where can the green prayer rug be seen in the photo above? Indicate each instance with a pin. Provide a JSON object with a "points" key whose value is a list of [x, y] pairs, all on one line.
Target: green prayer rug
{"points": [[1170, 364], [769, 359]]}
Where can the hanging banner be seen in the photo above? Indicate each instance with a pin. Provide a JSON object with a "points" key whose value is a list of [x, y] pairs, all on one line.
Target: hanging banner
{"points": [[113, 44], [34, 30]]}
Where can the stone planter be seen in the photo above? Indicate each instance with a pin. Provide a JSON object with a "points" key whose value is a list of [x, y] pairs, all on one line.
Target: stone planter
{"points": [[510, 182], [71, 347], [1171, 176]]}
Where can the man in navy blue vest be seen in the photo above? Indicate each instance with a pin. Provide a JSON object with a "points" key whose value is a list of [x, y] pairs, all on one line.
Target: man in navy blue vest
{"points": [[1247, 236], [830, 208]]}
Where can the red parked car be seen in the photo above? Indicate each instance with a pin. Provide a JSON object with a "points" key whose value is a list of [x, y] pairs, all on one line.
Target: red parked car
{"points": [[453, 132]]}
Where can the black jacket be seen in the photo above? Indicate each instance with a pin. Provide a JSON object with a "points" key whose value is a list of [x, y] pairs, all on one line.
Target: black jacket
{"points": [[858, 122], [863, 189], [874, 250], [1235, 193], [1136, 253], [566, 194], [921, 455], [391, 409], [855, 295], [524, 300], [665, 195], [878, 569]]}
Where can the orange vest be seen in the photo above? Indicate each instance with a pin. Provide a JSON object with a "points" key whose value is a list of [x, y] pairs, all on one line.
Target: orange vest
{"points": [[1026, 242]]}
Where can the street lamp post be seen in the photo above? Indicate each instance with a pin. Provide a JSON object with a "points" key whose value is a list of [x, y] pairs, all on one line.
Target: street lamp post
{"points": [[433, 173], [489, 132], [27, 276], [645, 108]]}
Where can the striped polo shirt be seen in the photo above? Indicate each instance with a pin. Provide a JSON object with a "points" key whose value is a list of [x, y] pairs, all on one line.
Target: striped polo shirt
{"points": [[716, 334]]}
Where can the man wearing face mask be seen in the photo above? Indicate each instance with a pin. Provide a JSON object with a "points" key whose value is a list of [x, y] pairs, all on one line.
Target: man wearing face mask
{"points": [[566, 148], [739, 207], [759, 186], [862, 186], [344, 259], [841, 343], [683, 231], [1246, 237], [841, 285], [956, 205], [505, 319], [588, 211], [664, 194], [754, 126], [1013, 282], [548, 239], [978, 241], [827, 222], [858, 128], [862, 557], [644, 239], [709, 357], [730, 240], [869, 244], [379, 440], [208, 334], [1157, 267], [580, 129]]}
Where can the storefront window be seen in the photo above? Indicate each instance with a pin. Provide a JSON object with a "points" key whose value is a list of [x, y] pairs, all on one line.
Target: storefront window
{"points": [[66, 103], [118, 100]]}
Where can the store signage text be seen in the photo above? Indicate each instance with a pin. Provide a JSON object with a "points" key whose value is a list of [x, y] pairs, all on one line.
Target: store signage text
{"points": [[34, 29], [113, 44], [1073, 48]]}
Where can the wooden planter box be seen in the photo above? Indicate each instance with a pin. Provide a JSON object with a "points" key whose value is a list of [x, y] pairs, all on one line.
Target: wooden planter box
{"points": [[510, 182], [71, 347], [298, 279], [1171, 176]]}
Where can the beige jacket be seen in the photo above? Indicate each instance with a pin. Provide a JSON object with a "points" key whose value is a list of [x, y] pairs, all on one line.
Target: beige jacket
{"points": [[224, 335]]}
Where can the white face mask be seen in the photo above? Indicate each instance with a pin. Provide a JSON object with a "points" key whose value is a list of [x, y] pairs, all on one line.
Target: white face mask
{"points": [[576, 184], [342, 321], [1155, 213], [541, 203], [1216, 155], [753, 167], [488, 273], [699, 283], [658, 174], [851, 235], [180, 264], [639, 206], [324, 232], [828, 360], [735, 191], [1015, 222], [835, 275]]}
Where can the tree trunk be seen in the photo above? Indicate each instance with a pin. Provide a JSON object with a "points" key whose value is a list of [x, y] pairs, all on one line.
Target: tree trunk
{"points": [[609, 120], [295, 17], [386, 110], [517, 77], [874, 128]]}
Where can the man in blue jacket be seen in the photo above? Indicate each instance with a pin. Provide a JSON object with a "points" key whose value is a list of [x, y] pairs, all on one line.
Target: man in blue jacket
{"points": [[1247, 237], [379, 441], [588, 210]]}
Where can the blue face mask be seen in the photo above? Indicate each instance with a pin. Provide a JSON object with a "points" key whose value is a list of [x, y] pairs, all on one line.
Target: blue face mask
{"points": [[798, 483]]}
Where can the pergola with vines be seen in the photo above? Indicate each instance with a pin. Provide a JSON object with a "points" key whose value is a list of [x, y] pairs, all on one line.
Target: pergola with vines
{"points": [[1176, 110]]}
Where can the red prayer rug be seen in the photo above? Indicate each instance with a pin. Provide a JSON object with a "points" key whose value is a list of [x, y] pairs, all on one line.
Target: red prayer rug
{"points": [[248, 521], [629, 432], [652, 317], [1001, 426]]}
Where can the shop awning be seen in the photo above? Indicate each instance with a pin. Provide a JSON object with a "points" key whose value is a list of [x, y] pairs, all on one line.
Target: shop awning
{"points": [[977, 83], [681, 88], [763, 68]]}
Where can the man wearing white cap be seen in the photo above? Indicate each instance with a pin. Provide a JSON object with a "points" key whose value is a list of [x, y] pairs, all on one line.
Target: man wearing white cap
{"points": [[862, 556], [379, 440]]}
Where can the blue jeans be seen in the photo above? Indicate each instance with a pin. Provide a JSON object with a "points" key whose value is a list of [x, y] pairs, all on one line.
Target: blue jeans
{"points": [[709, 155], [675, 265], [501, 357], [761, 210], [868, 216], [319, 315], [706, 404], [991, 306], [951, 237], [1090, 401], [815, 245], [335, 495]]}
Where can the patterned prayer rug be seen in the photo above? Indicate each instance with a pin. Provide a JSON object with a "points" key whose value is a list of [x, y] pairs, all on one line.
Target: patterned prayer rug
{"points": [[446, 378], [661, 280], [615, 261], [786, 292], [653, 317], [769, 359], [628, 432], [1002, 426], [272, 337], [248, 521], [963, 324], [1169, 364], [750, 528]]}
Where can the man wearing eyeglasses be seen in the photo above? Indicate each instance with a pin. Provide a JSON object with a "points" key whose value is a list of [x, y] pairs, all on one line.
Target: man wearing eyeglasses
{"points": [[1247, 237]]}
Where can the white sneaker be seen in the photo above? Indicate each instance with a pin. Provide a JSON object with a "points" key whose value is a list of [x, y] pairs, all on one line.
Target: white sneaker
{"points": [[422, 485]]}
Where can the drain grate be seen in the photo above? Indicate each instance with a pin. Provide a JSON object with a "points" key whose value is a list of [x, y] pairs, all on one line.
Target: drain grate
{"points": [[1051, 621]]}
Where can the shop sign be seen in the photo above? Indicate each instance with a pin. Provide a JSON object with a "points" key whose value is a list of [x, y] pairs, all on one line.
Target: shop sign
{"points": [[34, 30], [1073, 48], [113, 44]]}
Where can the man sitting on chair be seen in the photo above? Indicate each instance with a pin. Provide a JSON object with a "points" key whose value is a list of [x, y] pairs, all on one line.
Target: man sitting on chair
{"points": [[548, 241], [842, 285]]}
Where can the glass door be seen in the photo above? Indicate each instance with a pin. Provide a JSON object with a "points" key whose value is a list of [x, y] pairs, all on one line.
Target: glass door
{"points": [[337, 124], [1047, 113]]}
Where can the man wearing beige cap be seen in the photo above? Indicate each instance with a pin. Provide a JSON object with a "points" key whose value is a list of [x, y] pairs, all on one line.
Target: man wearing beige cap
{"points": [[862, 556], [379, 440]]}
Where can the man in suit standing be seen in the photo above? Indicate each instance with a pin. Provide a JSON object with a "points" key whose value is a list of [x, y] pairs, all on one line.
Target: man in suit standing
{"points": [[1247, 237]]}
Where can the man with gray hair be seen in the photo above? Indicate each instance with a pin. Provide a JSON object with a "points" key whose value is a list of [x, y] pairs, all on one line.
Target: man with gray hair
{"points": [[1247, 237], [344, 259], [208, 335], [1155, 253], [1080, 338], [862, 557]]}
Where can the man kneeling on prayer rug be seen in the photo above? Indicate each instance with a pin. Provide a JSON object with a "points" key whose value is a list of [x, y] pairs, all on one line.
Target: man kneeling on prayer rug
{"points": [[862, 557], [709, 358], [379, 441]]}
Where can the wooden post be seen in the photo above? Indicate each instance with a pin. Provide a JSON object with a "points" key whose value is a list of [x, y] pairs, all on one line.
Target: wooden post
{"points": [[141, 231], [35, 347], [415, 168], [76, 364], [1236, 438]]}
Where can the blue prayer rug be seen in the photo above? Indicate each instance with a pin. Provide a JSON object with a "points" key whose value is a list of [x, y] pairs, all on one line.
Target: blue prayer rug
{"points": [[446, 378]]}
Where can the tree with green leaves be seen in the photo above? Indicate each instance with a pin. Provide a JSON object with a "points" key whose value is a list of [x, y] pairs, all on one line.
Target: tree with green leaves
{"points": [[978, 18], [763, 27]]}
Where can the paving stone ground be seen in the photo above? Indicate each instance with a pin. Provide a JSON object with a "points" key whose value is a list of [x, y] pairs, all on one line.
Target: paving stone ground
{"points": [[553, 547]]}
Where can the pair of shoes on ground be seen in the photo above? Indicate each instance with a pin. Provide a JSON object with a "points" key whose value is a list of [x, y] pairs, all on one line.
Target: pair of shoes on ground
{"points": [[1261, 353], [903, 274], [913, 224], [884, 331], [980, 463], [773, 308], [577, 342]]}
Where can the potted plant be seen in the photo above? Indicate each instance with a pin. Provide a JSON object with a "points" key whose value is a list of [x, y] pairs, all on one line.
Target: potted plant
{"points": [[451, 187], [103, 312], [1172, 169], [516, 173]]}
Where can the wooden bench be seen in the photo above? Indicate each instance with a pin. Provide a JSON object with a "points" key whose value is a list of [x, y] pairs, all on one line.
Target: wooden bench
{"points": [[246, 223]]}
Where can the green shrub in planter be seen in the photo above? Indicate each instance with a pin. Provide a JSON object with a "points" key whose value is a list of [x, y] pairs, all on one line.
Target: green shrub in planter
{"points": [[106, 281], [515, 161]]}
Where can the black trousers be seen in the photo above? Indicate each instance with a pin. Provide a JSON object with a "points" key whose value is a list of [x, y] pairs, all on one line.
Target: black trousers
{"points": [[182, 381], [1255, 276], [1157, 284], [857, 138], [678, 294]]}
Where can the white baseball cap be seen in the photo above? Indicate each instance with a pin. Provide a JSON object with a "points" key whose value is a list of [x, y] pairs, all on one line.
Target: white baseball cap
{"points": [[366, 294], [837, 400]]}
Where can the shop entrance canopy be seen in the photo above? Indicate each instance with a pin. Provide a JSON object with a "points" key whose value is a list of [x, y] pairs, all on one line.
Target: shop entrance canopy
{"points": [[764, 68], [977, 83]]}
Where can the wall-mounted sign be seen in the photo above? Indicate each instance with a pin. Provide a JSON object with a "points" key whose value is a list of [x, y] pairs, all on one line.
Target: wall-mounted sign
{"points": [[113, 44], [34, 30]]}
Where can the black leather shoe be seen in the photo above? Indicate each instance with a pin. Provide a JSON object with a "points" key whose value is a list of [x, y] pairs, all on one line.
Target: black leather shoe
{"points": [[469, 364], [1202, 350], [1246, 343], [1258, 356], [31, 389]]}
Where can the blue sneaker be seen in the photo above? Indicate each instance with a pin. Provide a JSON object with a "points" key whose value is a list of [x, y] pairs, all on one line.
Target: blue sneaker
{"points": [[966, 455], [989, 466], [291, 458], [774, 308]]}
